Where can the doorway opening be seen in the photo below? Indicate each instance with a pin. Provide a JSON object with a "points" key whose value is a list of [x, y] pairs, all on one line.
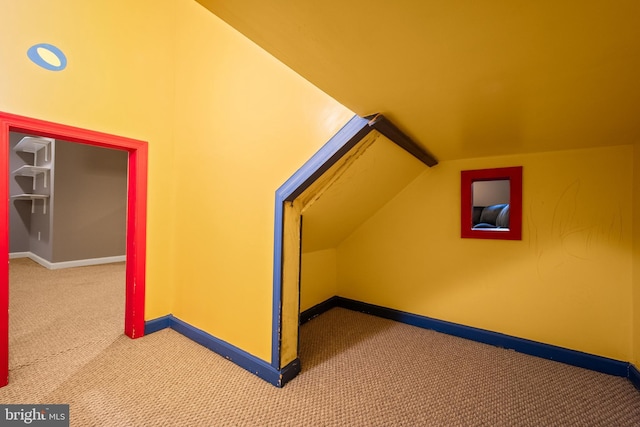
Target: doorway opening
{"points": [[135, 223], [292, 199]]}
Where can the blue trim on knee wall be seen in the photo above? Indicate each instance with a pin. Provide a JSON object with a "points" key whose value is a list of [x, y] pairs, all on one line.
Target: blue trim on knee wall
{"points": [[240, 357], [634, 376], [533, 348]]}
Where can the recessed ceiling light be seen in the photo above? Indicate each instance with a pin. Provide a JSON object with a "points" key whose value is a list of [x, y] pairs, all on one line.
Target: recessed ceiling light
{"points": [[47, 56]]}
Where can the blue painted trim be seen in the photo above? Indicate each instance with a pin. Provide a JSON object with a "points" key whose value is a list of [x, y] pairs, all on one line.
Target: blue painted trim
{"points": [[353, 131], [240, 357], [634, 376], [158, 324], [290, 371], [318, 309], [277, 285], [230, 352], [533, 348], [336, 147]]}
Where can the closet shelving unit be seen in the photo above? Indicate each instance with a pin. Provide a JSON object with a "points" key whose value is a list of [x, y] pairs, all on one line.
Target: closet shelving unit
{"points": [[34, 145], [33, 172]]}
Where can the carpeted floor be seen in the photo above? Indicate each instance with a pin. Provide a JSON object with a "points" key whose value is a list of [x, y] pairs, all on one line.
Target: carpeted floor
{"points": [[357, 370], [58, 321]]}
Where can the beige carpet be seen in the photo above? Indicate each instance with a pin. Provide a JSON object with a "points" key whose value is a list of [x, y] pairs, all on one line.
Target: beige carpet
{"points": [[58, 321], [358, 370]]}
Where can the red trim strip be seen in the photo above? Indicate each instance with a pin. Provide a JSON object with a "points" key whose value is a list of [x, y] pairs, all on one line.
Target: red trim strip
{"points": [[514, 174], [136, 218], [4, 254]]}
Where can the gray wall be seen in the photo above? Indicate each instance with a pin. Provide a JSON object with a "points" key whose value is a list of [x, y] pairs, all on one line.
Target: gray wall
{"points": [[486, 193], [86, 215], [90, 202]]}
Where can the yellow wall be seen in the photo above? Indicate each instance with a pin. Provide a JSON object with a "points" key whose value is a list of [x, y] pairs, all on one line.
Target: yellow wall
{"points": [[119, 79], [318, 280], [635, 293], [352, 190], [244, 124], [226, 123], [566, 283]]}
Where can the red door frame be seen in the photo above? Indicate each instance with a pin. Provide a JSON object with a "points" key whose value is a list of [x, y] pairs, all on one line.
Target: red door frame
{"points": [[136, 218]]}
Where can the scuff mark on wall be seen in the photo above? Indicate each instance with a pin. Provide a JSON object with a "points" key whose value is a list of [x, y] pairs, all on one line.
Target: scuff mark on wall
{"points": [[583, 228], [333, 175], [564, 223]]}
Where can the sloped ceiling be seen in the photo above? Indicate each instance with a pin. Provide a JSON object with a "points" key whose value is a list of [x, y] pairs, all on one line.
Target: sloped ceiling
{"points": [[372, 180], [465, 79]]}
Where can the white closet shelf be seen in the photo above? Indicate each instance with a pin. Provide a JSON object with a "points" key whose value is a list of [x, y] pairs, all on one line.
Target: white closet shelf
{"points": [[33, 172], [32, 144], [33, 198], [28, 170], [30, 196]]}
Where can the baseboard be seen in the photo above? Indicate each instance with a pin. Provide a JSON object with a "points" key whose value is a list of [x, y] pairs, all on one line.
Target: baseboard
{"points": [[318, 309], [88, 262], [67, 264], [14, 255], [155, 325], [532, 348], [634, 376], [240, 357], [281, 377]]}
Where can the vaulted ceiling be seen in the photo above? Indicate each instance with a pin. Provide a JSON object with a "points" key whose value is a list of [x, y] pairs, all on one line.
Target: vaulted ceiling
{"points": [[462, 78]]}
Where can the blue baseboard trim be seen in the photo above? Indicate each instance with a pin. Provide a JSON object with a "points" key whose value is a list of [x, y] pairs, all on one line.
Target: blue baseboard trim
{"points": [[289, 372], [318, 309], [634, 376], [532, 348], [240, 357], [158, 324], [280, 377]]}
